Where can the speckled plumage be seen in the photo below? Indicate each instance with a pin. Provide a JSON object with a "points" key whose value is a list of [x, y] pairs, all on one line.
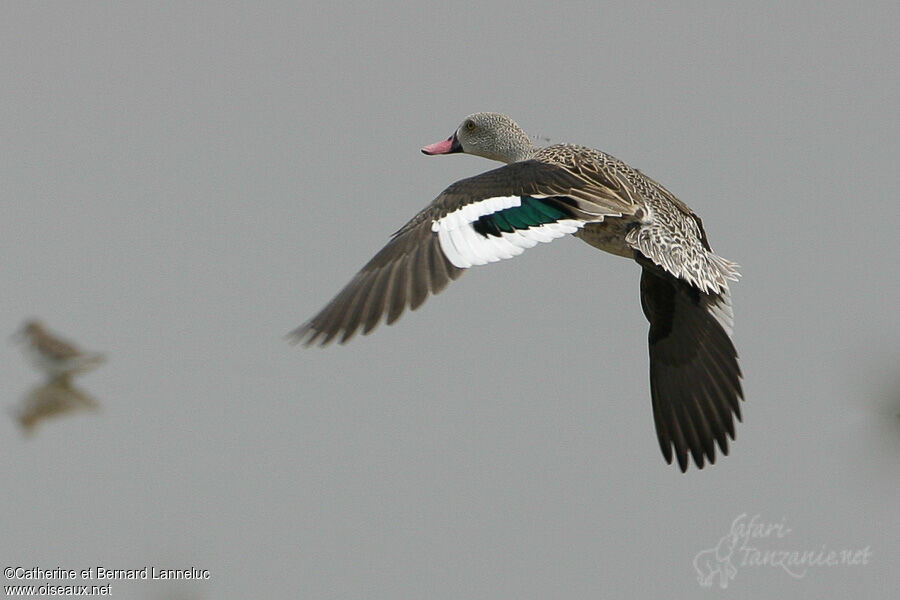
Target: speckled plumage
{"points": [[659, 225], [694, 375]]}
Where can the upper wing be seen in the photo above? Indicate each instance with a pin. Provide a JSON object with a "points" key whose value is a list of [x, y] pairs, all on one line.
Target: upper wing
{"points": [[485, 218]]}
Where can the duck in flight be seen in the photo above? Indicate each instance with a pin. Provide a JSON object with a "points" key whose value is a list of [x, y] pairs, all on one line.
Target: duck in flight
{"points": [[546, 193]]}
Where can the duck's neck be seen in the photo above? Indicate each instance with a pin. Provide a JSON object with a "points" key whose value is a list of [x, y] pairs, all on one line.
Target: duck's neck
{"points": [[515, 148]]}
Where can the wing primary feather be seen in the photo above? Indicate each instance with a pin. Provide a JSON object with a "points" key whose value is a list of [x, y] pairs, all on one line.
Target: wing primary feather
{"points": [[420, 280], [380, 291], [399, 290], [355, 308]]}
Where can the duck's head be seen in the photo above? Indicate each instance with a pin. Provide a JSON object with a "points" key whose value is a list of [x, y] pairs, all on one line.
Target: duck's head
{"points": [[487, 134]]}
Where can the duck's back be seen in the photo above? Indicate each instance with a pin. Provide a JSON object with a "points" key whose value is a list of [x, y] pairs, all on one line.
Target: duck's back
{"points": [[663, 228]]}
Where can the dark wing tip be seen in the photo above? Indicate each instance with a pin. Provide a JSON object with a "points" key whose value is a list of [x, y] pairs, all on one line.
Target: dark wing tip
{"points": [[308, 337], [398, 278], [693, 408], [695, 380], [305, 335]]}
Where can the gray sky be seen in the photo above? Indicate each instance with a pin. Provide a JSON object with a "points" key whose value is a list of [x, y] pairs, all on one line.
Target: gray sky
{"points": [[180, 187]]}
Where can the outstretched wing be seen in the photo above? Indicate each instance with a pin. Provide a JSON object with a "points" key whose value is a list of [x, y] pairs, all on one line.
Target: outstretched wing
{"points": [[483, 219], [695, 380]]}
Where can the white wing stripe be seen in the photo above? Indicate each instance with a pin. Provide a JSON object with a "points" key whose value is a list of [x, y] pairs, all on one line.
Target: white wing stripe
{"points": [[471, 212], [480, 254], [450, 251], [464, 247]]}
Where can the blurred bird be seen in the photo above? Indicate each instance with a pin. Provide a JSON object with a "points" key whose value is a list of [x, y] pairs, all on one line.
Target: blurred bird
{"points": [[56, 358], [56, 397]]}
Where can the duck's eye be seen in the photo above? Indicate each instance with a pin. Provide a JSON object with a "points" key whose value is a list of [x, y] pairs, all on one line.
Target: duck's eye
{"points": [[470, 125]]}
